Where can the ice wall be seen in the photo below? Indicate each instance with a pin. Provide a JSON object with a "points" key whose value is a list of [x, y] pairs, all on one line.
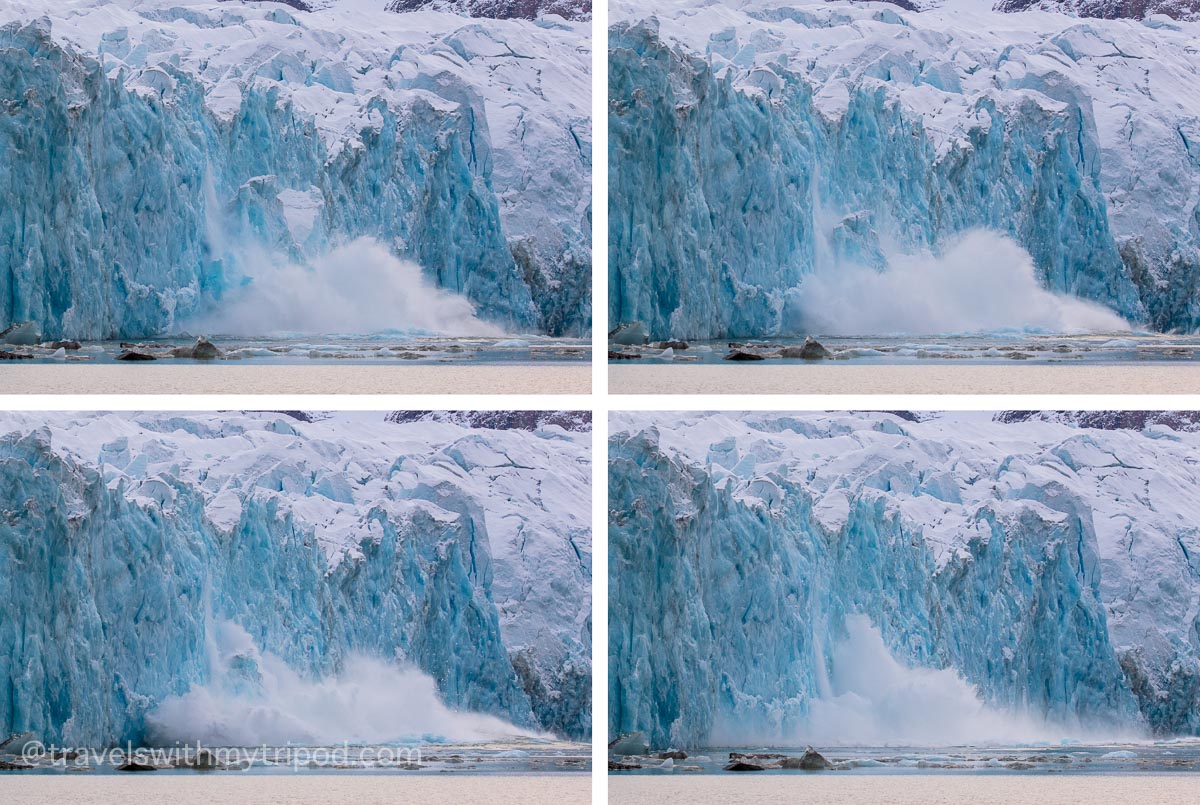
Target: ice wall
{"points": [[752, 147], [123, 562], [741, 546], [160, 156]]}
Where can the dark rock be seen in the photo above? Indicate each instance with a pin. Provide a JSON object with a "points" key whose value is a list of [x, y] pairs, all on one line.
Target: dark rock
{"points": [[1108, 9], [14, 356], [500, 9], [671, 345], [811, 760], [67, 345], [134, 355], [811, 350], [578, 421], [203, 760], [205, 350], [741, 765], [623, 356], [676, 754], [616, 765], [133, 765], [738, 355], [8, 766]]}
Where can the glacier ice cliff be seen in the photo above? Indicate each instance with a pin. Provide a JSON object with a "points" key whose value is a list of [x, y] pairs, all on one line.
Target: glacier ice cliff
{"points": [[159, 156], [753, 147], [128, 542], [1051, 566]]}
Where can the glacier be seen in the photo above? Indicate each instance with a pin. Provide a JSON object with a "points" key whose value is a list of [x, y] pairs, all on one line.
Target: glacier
{"points": [[158, 157], [153, 559], [757, 144], [1047, 564]]}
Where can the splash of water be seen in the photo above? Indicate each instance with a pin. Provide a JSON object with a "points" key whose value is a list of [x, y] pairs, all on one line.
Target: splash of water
{"points": [[358, 288], [876, 701], [985, 282], [255, 698]]}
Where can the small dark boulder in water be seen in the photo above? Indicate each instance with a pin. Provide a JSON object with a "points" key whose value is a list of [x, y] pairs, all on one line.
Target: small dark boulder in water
{"points": [[811, 760], [67, 345], [671, 345], [672, 754], [741, 765], [203, 760], [133, 765], [205, 350], [811, 350], [616, 765], [14, 356], [739, 355], [134, 355], [623, 356]]}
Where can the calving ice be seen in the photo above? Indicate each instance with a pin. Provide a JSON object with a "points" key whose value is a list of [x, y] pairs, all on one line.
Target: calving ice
{"points": [[874, 579], [168, 165], [290, 579], [846, 168]]}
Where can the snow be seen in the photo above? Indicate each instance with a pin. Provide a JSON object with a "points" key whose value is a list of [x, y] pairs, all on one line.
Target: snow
{"points": [[1049, 564], [325, 538], [776, 126]]}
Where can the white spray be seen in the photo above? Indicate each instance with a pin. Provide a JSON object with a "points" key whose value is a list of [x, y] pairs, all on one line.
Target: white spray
{"points": [[358, 288], [985, 282], [255, 698]]}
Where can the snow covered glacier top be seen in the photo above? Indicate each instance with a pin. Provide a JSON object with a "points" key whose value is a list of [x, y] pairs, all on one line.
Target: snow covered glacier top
{"points": [[461, 144], [940, 528], [332, 471], [871, 82]]}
